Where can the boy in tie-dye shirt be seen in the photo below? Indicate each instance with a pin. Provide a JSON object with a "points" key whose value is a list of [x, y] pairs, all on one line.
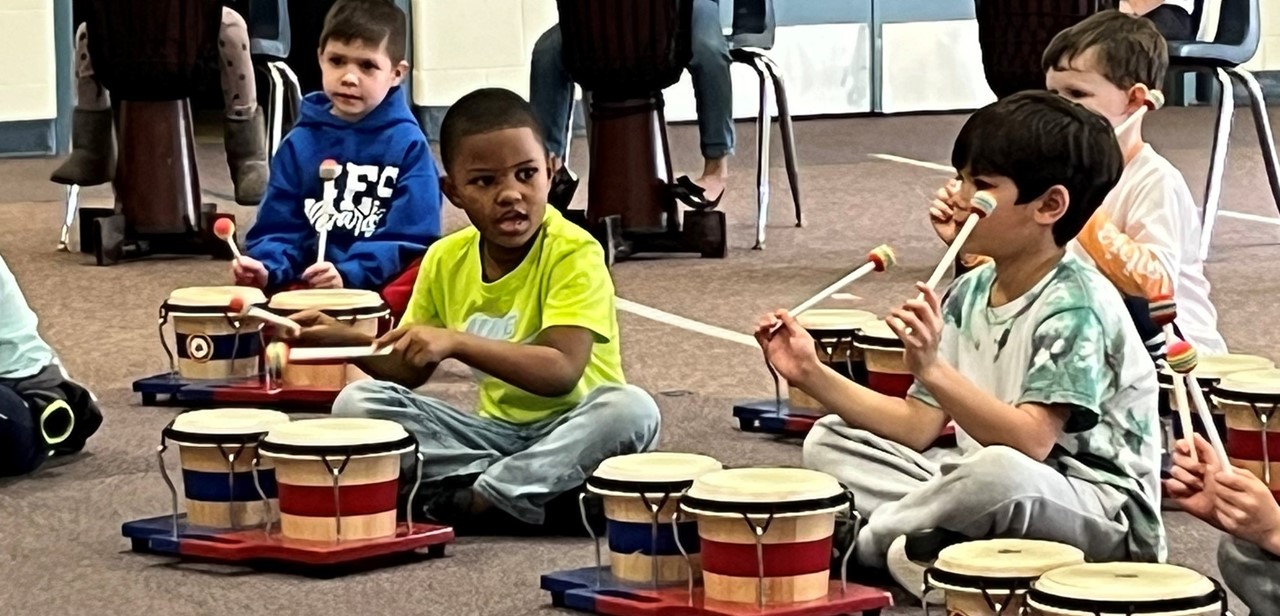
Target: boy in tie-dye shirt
{"points": [[1032, 356]]}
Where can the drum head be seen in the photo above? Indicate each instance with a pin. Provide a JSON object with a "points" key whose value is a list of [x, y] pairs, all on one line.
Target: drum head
{"points": [[833, 320], [1261, 386], [877, 335], [1009, 564], [1213, 367], [337, 436], [1143, 588], [327, 299], [212, 427], [781, 492], [214, 297], [658, 472]]}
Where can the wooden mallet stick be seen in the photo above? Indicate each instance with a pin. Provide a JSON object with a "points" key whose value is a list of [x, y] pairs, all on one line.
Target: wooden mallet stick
{"points": [[1181, 359], [239, 307], [329, 170], [879, 259], [983, 204]]}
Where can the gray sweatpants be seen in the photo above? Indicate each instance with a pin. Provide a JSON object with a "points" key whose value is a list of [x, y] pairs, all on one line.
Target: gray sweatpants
{"points": [[993, 492], [520, 467], [1252, 573]]}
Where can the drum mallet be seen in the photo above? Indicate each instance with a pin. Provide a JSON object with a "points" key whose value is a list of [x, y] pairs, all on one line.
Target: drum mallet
{"points": [[276, 357], [1181, 359], [879, 259], [1202, 409], [983, 204], [240, 308], [226, 231], [329, 170]]}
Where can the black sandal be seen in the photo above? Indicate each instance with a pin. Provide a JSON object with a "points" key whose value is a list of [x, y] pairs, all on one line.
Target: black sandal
{"points": [[693, 195]]}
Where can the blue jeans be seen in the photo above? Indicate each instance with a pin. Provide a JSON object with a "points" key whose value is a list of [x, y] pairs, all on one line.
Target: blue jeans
{"points": [[520, 467], [551, 86]]}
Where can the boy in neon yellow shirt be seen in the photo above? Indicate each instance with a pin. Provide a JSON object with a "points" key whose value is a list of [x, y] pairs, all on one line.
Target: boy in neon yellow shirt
{"points": [[524, 298]]}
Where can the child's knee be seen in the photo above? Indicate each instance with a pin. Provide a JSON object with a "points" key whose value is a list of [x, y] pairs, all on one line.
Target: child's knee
{"points": [[22, 450], [355, 399], [629, 410], [991, 474]]}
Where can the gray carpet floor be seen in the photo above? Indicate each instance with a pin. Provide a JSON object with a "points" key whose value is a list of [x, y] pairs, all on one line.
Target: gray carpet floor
{"points": [[60, 545]]}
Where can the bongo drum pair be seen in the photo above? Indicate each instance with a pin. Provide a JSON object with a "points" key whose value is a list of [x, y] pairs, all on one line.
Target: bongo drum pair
{"points": [[833, 330], [330, 479], [364, 310], [1249, 399], [1012, 577], [210, 342], [1208, 371]]}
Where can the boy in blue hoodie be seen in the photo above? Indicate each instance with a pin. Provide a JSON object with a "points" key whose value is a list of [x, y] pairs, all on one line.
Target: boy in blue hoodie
{"points": [[386, 198]]}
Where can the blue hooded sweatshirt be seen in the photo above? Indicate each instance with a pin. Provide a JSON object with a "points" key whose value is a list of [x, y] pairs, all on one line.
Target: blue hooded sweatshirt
{"points": [[386, 202]]}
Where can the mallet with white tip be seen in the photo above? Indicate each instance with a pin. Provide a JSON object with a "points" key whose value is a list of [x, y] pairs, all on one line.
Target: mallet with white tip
{"points": [[226, 231], [329, 170], [879, 259], [982, 205], [239, 307]]}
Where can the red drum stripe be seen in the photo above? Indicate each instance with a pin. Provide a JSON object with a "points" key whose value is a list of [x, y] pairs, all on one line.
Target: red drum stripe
{"points": [[780, 559], [895, 385], [317, 501], [1247, 444]]}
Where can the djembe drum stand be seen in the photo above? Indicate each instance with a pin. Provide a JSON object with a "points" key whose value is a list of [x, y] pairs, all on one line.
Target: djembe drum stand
{"points": [[148, 56], [624, 53]]}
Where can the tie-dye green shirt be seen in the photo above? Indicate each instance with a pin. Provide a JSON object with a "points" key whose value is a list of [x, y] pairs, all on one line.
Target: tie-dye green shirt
{"points": [[1069, 341]]}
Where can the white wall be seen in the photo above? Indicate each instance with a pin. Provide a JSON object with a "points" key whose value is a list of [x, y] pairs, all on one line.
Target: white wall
{"points": [[1268, 57], [28, 85]]}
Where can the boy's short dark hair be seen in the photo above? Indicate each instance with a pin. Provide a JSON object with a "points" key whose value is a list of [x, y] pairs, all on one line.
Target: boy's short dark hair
{"points": [[1040, 140], [1129, 50], [368, 21], [484, 111]]}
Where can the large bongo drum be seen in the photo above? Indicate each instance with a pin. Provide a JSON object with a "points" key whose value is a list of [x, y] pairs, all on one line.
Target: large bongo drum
{"points": [[210, 342], [338, 477], [646, 531], [833, 330], [885, 356], [1250, 400], [991, 578], [364, 310], [766, 533], [1125, 589], [218, 448]]}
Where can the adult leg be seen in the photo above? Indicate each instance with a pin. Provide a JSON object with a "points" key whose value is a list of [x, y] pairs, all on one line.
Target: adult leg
{"points": [[1173, 22], [713, 92], [612, 420], [93, 152], [1252, 573], [999, 492], [244, 128], [551, 91], [21, 447]]}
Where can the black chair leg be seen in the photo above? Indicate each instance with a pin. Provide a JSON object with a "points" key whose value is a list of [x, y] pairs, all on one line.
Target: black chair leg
{"points": [[1217, 161], [1263, 125], [788, 138]]}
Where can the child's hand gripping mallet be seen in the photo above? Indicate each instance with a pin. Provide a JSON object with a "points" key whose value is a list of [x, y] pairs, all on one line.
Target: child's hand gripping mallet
{"points": [[879, 259], [983, 204], [1181, 358], [225, 230], [1206, 418], [240, 308], [329, 170]]}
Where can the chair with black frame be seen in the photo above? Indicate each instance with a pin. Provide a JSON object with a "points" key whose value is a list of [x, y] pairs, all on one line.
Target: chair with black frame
{"points": [[623, 53], [753, 34], [1234, 43]]}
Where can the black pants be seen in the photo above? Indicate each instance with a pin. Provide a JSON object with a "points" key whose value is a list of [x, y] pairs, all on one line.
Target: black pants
{"points": [[41, 416], [1173, 22]]}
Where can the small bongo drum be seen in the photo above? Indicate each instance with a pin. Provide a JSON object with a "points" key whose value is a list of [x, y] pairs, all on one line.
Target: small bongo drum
{"points": [[991, 578], [1250, 401], [885, 356], [210, 342], [338, 477], [766, 533], [833, 330], [641, 495], [1125, 589], [218, 449], [364, 310]]}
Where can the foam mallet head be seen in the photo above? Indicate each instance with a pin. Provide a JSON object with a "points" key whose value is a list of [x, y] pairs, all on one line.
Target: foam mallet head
{"points": [[225, 230], [329, 169], [276, 358], [1182, 357], [882, 257], [1163, 310]]}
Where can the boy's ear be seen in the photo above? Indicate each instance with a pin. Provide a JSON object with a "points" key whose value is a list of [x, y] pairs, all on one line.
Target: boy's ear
{"points": [[1053, 205], [1139, 94], [450, 190], [399, 71]]}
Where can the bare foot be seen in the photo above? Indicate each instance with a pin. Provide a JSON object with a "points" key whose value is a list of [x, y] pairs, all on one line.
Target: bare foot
{"points": [[715, 173]]}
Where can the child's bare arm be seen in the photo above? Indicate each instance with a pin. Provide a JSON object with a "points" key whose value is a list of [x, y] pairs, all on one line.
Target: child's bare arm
{"points": [[550, 366]]}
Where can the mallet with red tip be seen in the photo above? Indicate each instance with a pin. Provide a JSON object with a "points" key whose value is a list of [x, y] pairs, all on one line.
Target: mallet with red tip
{"points": [[878, 260], [240, 308], [226, 231], [329, 170]]}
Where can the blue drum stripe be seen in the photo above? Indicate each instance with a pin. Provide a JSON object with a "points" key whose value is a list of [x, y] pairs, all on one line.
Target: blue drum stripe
{"points": [[218, 347], [214, 488], [637, 538]]}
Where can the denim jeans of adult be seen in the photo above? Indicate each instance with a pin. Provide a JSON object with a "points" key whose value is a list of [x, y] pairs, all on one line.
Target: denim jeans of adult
{"points": [[551, 85]]}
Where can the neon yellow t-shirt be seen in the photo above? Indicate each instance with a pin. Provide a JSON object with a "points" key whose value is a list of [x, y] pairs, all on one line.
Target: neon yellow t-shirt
{"points": [[562, 281]]}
